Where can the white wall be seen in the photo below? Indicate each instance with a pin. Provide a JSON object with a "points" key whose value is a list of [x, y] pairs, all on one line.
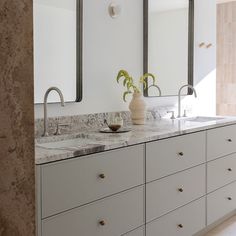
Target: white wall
{"points": [[165, 53], [54, 48], [112, 44]]}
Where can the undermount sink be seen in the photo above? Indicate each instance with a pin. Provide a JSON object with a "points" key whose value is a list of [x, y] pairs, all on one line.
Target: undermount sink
{"points": [[203, 119], [71, 143]]}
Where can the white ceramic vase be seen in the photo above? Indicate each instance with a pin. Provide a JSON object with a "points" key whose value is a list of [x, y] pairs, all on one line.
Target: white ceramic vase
{"points": [[137, 108]]}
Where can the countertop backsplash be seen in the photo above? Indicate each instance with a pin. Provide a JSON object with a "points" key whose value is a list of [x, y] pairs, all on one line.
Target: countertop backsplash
{"points": [[81, 123]]}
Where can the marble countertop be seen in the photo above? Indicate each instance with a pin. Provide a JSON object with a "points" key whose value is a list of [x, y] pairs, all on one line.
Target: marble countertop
{"points": [[56, 148]]}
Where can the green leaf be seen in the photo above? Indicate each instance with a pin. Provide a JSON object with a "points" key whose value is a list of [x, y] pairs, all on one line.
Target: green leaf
{"points": [[126, 80], [129, 85], [145, 84], [145, 76], [125, 94], [122, 73]]}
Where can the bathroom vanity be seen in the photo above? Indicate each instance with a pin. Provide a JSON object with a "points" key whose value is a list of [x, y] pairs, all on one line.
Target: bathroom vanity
{"points": [[165, 178]]}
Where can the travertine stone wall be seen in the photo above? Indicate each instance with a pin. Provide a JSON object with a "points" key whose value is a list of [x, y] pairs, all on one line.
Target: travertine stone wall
{"points": [[17, 182], [226, 58]]}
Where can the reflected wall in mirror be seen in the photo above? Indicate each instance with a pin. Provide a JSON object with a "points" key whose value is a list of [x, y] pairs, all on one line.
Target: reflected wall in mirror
{"points": [[169, 44], [58, 49]]}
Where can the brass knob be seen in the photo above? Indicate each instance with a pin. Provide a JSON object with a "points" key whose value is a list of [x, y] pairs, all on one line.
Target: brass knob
{"points": [[230, 140], [180, 226], [102, 222], [102, 176], [230, 170], [180, 190], [209, 45], [201, 44], [229, 198], [181, 154]]}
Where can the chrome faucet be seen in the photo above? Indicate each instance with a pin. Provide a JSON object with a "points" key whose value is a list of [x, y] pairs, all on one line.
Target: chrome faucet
{"points": [[179, 97], [45, 133]]}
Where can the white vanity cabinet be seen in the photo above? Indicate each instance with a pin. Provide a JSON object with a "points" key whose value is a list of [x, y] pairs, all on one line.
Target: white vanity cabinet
{"points": [[171, 187], [168, 156], [72, 183], [114, 216], [100, 194], [221, 172], [169, 193], [184, 221]]}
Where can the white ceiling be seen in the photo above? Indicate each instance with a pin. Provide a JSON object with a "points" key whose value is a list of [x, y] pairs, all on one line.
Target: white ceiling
{"points": [[167, 5]]}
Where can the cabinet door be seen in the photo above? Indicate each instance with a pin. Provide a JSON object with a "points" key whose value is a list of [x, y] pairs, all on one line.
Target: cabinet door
{"points": [[221, 141], [171, 192], [221, 202], [165, 157], [75, 182], [138, 232], [112, 216], [221, 172], [184, 221]]}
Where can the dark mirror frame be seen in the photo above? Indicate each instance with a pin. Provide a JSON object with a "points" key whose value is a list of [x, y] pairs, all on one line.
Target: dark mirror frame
{"points": [[190, 46], [79, 50]]}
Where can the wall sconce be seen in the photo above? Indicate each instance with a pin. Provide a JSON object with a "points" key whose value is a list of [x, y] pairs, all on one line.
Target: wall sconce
{"points": [[114, 10]]}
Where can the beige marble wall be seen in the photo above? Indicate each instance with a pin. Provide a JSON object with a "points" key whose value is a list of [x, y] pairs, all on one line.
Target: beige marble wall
{"points": [[226, 58], [17, 182]]}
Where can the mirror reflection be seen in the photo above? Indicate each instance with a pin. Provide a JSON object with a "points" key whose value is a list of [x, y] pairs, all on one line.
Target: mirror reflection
{"points": [[169, 44], [56, 53]]}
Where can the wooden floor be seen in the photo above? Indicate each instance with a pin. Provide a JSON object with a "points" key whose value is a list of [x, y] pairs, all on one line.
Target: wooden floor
{"points": [[228, 228]]}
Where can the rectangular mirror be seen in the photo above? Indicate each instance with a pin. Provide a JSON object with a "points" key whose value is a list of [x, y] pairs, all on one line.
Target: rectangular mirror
{"points": [[58, 49], [169, 44]]}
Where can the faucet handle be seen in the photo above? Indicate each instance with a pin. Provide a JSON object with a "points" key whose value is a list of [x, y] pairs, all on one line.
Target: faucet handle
{"points": [[172, 114], [58, 130]]}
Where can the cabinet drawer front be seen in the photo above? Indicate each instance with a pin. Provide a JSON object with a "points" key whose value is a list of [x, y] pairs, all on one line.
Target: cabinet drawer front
{"points": [[169, 193], [75, 182], [221, 172], [221, 202], [114, 216], [221, 142], [168, 156], [138, 232], [184, 221]]}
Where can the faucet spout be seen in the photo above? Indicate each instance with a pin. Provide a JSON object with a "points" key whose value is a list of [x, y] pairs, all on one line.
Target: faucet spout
{"points": [[179, 96], [45, 133]]}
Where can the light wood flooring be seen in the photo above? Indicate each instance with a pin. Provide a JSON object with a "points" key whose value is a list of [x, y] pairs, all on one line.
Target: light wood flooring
{"points": [[228, 228]]}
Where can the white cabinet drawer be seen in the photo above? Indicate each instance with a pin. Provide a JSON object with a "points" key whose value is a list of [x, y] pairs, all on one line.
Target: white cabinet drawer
{"points": [[184, 221], [171, 155], [221, 172], [112, 216], [221, 202], [221, 142], [174, 191], [138, 232], [75, 182]]}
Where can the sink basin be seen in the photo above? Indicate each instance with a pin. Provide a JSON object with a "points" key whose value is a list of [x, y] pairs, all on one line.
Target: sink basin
{"points": [[71, 143], [203, 119]]}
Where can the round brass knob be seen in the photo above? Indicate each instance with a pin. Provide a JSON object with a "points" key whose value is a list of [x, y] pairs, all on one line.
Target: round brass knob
{"points": [[230, 140], [230, 170], [102, 176], [102, 222], [180, 190], [180, 226], [229, 198], [181, 154]]}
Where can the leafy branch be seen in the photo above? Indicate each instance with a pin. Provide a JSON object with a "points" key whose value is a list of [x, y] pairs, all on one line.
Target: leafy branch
{"points": [[128, 82]]}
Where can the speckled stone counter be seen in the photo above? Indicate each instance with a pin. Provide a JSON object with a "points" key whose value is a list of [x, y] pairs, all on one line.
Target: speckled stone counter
{"points": [[56, 148]]}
